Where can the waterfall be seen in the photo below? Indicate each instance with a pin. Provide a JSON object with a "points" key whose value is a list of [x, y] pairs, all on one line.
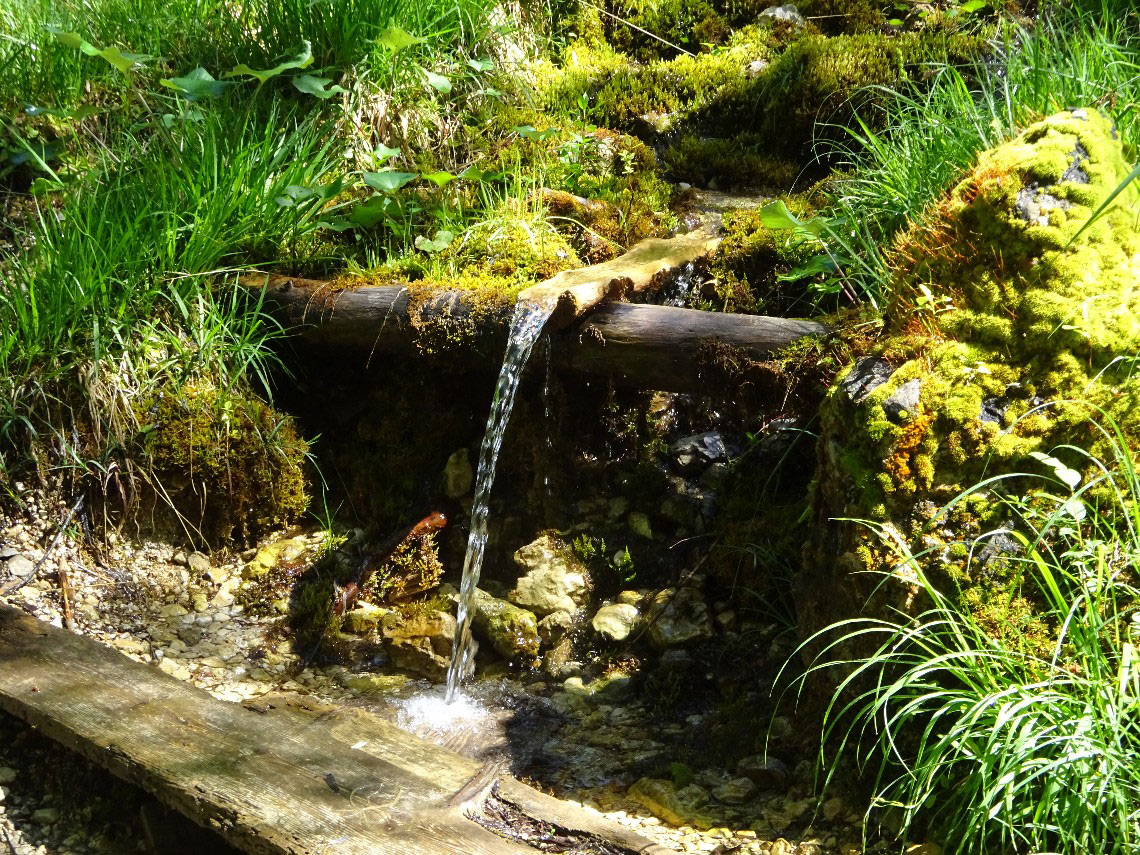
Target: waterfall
{"points": [[526, 328]]}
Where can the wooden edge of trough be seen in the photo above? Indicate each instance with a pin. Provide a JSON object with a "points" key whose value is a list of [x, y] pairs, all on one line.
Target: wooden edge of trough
{"points": [[267, 779]]}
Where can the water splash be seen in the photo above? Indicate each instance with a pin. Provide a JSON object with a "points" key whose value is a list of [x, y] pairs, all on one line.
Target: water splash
{"points": [[434, 716], [526, 328]]}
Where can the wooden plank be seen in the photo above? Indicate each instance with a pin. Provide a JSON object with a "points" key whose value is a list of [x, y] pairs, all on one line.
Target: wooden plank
{"points": [[282, 784]]}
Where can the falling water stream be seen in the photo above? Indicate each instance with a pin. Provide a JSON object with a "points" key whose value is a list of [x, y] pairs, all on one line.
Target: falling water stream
{"points": [[526, 328]]}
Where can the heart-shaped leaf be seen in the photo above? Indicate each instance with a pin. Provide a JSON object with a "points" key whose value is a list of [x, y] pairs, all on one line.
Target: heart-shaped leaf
{"points": [[473, 173], [1070, 477], [440, 242], [971, 6], [397, 39], [198, 84], [370, 212], [317, 86], [439, 179], [382, 153], [480, 64], [120, 59], [388, 181], [303, 60], [437, 81]]}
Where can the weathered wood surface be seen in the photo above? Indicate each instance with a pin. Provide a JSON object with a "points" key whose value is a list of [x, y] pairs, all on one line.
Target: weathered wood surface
{"points": [[658, 347], [273, 781], [376, 317]]}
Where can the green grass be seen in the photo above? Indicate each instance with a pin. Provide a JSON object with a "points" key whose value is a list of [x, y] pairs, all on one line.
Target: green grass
{"points": [[1074, 56], [981, 744]]}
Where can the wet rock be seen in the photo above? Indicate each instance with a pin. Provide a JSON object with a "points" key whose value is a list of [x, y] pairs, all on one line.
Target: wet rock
{"points": [[381, 684], [420, 642], [364, 618], [768, 774], [511, 630], [735, 792], [615, 622], [553, 578], [693, 454], [678, 806], [458, 475], [638, 524], [554, 626], [903, 402], [558, 662], [678, 617], [271, 555], [833, 809]]}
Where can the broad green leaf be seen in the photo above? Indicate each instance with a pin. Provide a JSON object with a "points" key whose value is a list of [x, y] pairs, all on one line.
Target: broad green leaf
{"points": [[388, 181], [473, 173], [480, 64], [382, 153], [73, 40], [199, 83], [971, 6], [439, 179], [303, 60], [814, 266], [776, 216], [437, 81], [397, 39], [895, 22], [531, 133], [317, 86], [440, 242], [370, 212], [1070, 477]]}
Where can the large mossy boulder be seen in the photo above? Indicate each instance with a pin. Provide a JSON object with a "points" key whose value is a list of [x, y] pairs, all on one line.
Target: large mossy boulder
{"points": [[1012, 318]]}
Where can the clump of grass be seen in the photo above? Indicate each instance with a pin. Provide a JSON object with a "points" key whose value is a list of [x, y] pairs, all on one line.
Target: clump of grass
{"points": [[983, 743]]}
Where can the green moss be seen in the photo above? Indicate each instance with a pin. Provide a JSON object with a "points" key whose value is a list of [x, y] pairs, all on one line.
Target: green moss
{"points": [[230, 464], [1026, 309], [739, 163]]}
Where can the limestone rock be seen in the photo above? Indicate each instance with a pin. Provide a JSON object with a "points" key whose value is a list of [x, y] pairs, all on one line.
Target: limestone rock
{"points": [[554, 626], [420, 642], [677, 617], [511, 630], [769, 774], [553, 578], [199, 563], [615, 622], [364, 618], [787, 13], [458, 475], [19, 566]]}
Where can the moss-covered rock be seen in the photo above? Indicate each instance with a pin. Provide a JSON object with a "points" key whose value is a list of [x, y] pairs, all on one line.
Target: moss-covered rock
{"points": [[229, 464], [1007, 313]]}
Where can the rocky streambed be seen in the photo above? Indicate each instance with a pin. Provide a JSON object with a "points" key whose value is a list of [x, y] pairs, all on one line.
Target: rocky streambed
{"points": [[587, 734]]}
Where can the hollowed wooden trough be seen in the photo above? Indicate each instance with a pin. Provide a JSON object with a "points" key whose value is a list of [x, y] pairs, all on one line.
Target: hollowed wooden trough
{"points": [[268, 780]]}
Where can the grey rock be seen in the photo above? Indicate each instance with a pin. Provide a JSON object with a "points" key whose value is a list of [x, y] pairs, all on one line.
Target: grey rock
{"points": [[756, 67], [1075, 172], [616, 622], [678, 617], [20, 566], [735, 792], [694, 453], [458, 475], [7, 774], [7, 552], [867, 375], [553, 578], [1034, 204], [45, 816], [903, 402], [768, 774]]}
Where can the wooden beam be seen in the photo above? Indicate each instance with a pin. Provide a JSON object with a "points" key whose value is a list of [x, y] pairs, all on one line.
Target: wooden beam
{"points": [[659, 347], [273, 782]]}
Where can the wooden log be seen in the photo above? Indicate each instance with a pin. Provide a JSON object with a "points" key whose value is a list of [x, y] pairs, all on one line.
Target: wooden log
{"points": [[376, 317], [271, 784], [658, 347]]}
